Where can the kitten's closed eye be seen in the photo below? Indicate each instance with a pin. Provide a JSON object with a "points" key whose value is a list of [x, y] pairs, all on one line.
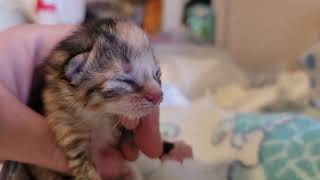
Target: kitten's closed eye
{"points": [[158, 74], [158, 77], [126, 80], [115, 92], [119, 86]]}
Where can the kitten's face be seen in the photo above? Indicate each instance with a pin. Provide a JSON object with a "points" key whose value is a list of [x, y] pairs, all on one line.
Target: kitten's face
{"points": [[119, 73]]}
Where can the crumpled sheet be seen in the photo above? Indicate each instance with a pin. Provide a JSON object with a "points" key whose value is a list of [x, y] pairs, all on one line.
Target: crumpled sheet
{"points": [[212, 125], [195, 70], [207, 107], [290, 92]]}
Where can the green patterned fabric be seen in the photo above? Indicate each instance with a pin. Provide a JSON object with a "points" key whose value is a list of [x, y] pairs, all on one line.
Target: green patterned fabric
{"points": [[289, 148]]}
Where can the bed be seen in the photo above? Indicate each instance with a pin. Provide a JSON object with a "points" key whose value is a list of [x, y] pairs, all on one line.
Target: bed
{"points": [[251, 128]]}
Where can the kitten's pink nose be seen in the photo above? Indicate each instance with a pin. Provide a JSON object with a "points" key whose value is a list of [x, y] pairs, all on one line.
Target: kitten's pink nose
{"points": [[154, 97], [153, 92]]}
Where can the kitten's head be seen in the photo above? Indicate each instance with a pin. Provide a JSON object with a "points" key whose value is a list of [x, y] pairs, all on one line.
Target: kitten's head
{"points": [[109, 66]]}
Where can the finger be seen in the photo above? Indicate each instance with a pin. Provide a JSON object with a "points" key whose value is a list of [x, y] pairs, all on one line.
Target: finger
{"points": [[110, 164], [41, 39], [147, 135], [129, 150], [25, 135], [24, 53], [46, 38]]}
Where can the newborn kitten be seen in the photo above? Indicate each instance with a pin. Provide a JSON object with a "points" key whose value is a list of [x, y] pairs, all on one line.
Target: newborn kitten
{"points": [[104, 70]]}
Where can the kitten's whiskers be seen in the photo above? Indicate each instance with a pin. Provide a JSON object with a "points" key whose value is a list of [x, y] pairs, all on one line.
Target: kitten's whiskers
{"points": [[116, 124]]}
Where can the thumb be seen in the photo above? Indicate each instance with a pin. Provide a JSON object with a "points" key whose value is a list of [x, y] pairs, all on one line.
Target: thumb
{"points": [[147, 135]]}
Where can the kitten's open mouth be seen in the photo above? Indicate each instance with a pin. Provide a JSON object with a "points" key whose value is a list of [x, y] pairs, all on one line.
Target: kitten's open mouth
{"points": [[133, 120], [128, 123]]}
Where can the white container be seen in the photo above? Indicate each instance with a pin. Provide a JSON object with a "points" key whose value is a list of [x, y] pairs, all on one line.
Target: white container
{"points": [[56, 11], [11, 14], [172, 14]]}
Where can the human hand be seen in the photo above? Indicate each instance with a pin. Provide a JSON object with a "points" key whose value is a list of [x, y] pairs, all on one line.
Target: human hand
{"points": [[24, 135]]}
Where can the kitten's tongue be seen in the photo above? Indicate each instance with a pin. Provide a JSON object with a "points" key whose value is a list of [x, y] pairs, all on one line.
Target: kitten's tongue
{"points": [[129, 123]]}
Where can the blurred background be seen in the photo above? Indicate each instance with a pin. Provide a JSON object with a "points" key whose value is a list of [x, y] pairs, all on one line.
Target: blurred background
{"points": [[219, 58]]}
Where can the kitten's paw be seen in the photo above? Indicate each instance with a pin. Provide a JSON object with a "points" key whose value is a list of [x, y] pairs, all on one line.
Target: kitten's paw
{"points": [[180, 152]]}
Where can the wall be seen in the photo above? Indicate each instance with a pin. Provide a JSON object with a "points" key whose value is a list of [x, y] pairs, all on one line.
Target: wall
{"points": [[264, 35]]}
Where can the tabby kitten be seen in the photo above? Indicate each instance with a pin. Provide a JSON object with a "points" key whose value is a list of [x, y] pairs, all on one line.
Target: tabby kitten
{"points": [[103, 70]]}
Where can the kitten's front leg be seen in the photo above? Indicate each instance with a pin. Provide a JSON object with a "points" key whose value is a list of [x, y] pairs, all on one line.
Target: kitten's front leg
{"points": [[74, 139]]}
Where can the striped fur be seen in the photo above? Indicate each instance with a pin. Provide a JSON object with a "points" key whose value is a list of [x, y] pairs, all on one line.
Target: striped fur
{"points": [[84, 94]]}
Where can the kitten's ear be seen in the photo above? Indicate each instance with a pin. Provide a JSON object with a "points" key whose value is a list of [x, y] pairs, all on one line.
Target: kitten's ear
{"points": [[74, 68]]}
